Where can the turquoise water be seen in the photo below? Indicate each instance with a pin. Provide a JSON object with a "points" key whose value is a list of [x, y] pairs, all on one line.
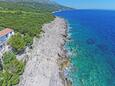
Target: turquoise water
{"points": [[92, 47]]}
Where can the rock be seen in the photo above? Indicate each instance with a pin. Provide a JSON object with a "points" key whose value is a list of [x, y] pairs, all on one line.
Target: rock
{"points": [[42, 68]]}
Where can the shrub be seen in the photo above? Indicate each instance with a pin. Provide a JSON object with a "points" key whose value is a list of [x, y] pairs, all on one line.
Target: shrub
{"points": [[12, 70], [15, 79], [9, 79], [15, 67], [8, 57], [17, 42], [28, 39], [1, 78], [6, 78]]}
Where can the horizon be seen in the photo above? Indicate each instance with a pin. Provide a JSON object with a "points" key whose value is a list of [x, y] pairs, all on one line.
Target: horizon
{"points": [[88, 4]]}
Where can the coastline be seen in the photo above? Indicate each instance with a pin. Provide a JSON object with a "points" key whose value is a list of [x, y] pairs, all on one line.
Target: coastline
{"points": [[48, 58]]}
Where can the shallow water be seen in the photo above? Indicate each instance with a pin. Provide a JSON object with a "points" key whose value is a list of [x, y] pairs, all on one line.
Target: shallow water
{"points": [[92, 46]]}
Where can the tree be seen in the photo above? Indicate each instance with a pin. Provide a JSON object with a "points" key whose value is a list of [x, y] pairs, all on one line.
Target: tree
{"points": [[28, 39], [12, 70], [17, 42], [15, 67], [1, 78], [8, 57], [15, 79], [8, 79]]}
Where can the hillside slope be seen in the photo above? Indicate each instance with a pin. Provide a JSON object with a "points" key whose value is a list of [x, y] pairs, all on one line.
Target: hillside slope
{"points": [[48, 5], [39, 1]]}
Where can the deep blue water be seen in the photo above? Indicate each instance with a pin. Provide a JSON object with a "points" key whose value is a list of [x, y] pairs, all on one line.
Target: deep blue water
{"points": [[92, 47]]}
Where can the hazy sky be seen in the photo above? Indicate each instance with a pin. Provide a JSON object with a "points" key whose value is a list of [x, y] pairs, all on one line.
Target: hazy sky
{"points": [[89, 4]]}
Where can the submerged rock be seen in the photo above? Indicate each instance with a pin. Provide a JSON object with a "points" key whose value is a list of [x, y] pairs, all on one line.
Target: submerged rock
{"points": [[90, 41], [102, 47]]}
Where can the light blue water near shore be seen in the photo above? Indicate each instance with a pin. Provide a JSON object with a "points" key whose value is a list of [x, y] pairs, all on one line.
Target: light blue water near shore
{"points": [[92, 46]]}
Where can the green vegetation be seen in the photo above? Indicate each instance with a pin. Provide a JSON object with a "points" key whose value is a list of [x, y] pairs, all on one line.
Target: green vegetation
{"points": [[8, 57], [28, 39], [26, 18], [17, 42], [30, 6], [24, 22], [12, 69]]}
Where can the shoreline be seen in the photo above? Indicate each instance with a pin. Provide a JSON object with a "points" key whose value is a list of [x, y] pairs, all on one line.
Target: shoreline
{"points": [[48, 58]]}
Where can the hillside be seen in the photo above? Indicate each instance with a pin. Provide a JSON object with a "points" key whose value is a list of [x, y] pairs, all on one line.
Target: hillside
{"points": [[15, 13], [25, 16], [45, 5], [38, 1]]}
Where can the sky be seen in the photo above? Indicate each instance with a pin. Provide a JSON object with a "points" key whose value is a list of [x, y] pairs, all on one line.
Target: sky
{"points": [[88, 4]]}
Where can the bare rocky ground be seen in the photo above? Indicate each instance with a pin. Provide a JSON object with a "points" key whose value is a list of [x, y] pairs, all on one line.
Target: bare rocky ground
{"points": [[42, 68]]}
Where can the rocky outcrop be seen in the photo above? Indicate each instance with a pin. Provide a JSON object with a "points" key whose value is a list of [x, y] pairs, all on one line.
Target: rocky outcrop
{"points": [[42, 67]]}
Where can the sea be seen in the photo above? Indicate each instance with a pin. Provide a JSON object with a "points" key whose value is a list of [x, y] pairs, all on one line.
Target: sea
{"points": [[91, 47]]}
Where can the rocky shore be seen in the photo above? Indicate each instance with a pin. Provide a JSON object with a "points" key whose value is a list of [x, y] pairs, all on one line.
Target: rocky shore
{"points": [[48, 59]]}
